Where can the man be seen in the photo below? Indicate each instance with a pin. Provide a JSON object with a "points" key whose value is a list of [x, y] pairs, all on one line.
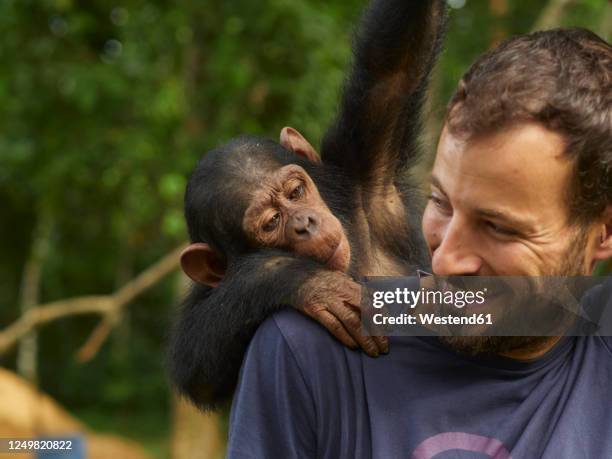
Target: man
{"points": [[522, 185]]}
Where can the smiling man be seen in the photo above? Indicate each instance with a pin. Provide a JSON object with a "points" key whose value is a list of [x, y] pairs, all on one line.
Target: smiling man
{"points": [[521, 186], [522, 181]]}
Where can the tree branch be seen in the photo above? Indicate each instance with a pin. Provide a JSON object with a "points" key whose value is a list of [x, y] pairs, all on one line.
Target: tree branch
{"points": [[95, 341], [105, 305]]}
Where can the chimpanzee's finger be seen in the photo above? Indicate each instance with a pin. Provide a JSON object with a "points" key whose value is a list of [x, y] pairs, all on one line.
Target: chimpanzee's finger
{"points": [[335, 327], [351, 321], [382, 342]]}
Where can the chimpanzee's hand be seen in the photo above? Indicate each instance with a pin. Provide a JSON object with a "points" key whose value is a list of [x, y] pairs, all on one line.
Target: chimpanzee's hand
{"points": [[333, 299]]}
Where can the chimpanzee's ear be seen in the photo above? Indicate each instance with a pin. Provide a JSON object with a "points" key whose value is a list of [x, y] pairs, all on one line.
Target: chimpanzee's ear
{"points": [[202, 264], [292, 140]]}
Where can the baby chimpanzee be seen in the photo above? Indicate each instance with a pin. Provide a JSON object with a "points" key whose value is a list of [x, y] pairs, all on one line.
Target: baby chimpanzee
{"points": [[272, 225]]}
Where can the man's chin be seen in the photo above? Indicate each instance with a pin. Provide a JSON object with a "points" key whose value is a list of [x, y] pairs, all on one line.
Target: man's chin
{"points": [[492, 345]]}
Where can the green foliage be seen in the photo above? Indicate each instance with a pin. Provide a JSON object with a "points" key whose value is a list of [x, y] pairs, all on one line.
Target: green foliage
{"points": [[105, 108]]}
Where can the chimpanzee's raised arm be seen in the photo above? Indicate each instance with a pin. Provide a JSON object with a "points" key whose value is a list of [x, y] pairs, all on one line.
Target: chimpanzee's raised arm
{"points": [[375, 135], [216, 325]]}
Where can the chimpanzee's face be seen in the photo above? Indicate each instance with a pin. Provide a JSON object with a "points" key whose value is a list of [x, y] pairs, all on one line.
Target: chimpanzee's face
{"points": [[287, 212]]}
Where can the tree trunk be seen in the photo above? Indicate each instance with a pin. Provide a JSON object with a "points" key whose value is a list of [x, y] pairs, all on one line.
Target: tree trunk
{"points": [[551, 15], [195, 434], [29, 295], [498, 9], [605, 27]]}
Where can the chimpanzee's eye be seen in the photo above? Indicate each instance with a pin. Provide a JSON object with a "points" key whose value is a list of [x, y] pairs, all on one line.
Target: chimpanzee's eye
{"points": [[272, 223], [297, 193]]}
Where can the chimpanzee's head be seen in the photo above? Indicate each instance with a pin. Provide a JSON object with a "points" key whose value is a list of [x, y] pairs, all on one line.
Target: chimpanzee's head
{"points": [[253, 192]]}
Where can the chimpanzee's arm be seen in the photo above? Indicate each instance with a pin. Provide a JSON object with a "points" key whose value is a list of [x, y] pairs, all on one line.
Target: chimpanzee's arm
{"points": [[215, 325], [376, 133]]}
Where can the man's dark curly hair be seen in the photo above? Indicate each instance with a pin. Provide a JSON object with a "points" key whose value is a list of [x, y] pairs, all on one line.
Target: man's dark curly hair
{"points": [[561, 79]]}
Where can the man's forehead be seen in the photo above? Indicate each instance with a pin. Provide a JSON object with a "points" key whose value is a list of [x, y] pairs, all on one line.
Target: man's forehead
{"points": [[519, 169]]}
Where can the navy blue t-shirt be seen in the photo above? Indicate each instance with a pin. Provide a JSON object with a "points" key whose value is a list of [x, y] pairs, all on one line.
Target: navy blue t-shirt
{"points": [[303, 395]]}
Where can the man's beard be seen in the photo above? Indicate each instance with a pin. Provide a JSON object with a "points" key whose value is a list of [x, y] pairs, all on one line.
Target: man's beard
{"points": [[572, 264]]}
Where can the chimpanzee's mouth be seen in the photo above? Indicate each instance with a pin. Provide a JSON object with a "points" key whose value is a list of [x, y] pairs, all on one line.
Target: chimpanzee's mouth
{"points": [[337, 260]]}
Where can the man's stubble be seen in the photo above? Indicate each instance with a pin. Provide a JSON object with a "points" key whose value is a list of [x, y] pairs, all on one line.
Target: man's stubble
{"points": [[572, 264]]}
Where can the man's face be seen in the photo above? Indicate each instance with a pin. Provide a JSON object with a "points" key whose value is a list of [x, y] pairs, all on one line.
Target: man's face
{"points": [[498, 207]]}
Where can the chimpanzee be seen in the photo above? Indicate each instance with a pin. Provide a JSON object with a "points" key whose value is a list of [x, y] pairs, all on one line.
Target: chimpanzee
{"points": [[272, 225]]}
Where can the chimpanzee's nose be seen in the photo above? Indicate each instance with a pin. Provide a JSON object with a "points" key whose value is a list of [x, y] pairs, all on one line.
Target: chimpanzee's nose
{"points": [[303, 223]]}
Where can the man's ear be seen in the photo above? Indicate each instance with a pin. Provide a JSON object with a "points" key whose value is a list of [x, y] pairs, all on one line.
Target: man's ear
{"points": [[292, 140], [603, 250], [202, 264]]}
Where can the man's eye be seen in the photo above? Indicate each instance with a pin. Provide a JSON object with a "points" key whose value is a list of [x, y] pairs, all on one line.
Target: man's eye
{"points": [[297, 193], [439, 203], [501, 229], [272, 223], [434, 199]]}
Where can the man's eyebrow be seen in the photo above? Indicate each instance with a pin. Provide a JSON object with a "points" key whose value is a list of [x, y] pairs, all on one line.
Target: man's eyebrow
{"points": [[498, 215]]}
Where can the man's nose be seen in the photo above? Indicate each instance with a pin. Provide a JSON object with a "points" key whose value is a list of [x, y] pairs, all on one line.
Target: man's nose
{"points": [[303, 223], [456, 254]]}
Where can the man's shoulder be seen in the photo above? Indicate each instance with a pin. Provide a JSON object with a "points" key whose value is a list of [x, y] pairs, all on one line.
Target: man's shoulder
{"points": [[299, 332], [311, 344]]}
